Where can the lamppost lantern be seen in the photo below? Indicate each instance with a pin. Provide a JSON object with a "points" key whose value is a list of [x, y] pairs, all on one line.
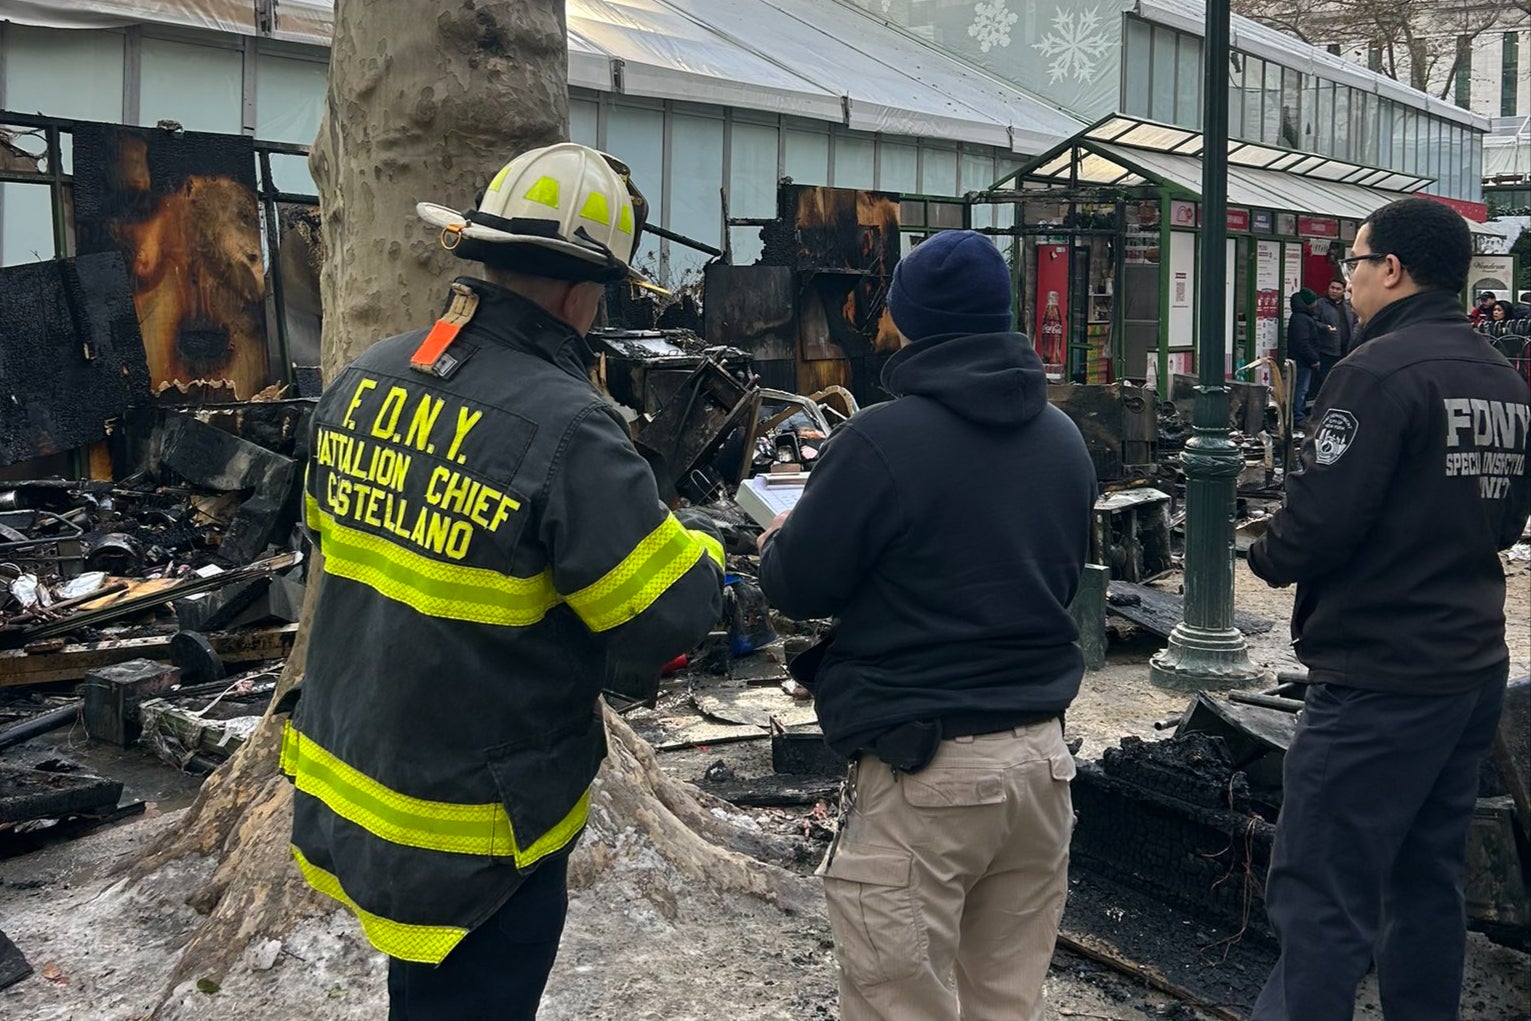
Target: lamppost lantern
{"points": [[1205, 650]]}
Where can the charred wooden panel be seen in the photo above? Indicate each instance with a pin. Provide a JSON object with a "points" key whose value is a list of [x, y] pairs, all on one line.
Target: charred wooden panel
{"points": [[181, 209], [753, 308], [70, 354], [1114, 420]]}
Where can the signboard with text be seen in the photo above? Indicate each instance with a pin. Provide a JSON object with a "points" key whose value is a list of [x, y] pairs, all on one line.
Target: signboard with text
{"points": [[1318, 227]]}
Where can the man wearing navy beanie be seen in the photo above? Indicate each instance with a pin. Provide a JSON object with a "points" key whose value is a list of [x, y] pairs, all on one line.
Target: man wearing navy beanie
{"points": [[947, 531]]}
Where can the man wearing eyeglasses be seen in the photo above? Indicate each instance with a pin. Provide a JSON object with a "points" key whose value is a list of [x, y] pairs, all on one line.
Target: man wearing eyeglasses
{"points": [[1412, 479]]}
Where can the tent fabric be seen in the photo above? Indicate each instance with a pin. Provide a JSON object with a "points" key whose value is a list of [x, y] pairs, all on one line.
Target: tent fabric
{"points": [[814, 59]]}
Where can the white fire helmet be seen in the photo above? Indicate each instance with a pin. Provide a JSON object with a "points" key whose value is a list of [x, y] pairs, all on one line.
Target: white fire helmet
{"points": [[564, 211]]}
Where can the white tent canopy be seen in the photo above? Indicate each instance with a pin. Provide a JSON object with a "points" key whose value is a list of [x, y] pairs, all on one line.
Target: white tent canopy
{"points": [[816, 59]]}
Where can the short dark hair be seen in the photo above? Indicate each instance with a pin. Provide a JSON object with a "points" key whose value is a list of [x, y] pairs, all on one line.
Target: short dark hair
{"points": [[1429, 238]]}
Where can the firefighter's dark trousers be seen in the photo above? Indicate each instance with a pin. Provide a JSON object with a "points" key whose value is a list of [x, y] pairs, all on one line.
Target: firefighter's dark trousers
{"points": [[1370, 850], [498, 971]]}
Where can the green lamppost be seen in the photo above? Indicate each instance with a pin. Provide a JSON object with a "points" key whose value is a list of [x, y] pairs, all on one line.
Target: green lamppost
{"points": [[1206, 650]]}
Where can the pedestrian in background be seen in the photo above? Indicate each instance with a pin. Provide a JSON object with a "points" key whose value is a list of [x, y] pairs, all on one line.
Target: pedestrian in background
{"points": [[1336, 318], [1302, 329]]}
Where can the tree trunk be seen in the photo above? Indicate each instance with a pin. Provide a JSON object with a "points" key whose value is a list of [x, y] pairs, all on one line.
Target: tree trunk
{"points": [[427, 99]]}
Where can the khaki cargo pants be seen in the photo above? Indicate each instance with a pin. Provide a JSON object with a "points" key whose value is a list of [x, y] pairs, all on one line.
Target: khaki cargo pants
{"points": [[947, 885]]}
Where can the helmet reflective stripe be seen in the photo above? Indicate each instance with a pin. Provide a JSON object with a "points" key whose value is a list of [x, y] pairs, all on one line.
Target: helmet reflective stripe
{"points": [[580, 195]]}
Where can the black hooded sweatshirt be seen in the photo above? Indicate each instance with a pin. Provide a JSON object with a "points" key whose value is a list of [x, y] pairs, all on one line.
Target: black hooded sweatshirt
{"points": [[947, 530], [1302, 343], [1412, 482]]}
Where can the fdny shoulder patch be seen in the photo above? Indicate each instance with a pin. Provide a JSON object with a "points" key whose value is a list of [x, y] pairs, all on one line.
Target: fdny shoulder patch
{"points": [[1335, 435]]}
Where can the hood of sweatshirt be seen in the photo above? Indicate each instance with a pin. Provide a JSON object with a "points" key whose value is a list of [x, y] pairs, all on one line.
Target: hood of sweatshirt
{"points": [[989, 378]]}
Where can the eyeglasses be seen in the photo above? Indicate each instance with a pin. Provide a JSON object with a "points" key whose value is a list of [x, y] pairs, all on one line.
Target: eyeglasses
{"points": [[1348, 266]]}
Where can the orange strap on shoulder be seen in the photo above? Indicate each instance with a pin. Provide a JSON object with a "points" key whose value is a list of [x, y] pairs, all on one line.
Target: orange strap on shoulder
{"points": [[464, 303]]}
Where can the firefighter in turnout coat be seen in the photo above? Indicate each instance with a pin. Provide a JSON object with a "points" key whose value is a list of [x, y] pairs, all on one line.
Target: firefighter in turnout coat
{"points": [[495, 554]]}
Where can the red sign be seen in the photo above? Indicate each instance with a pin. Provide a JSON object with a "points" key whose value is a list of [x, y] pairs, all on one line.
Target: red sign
{"points": [[1476, 211], [1052, 301], [1238, 219], [1315, 227], [1267, 304]]}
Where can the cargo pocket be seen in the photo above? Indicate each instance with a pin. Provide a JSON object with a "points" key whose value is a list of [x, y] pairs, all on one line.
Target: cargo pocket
{"points": [[872, 910], [953, 788], [541, 782], [1062, 765]]}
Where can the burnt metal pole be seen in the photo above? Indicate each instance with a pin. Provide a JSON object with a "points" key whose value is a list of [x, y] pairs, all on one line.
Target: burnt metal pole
{"points": [[1206, 650]]}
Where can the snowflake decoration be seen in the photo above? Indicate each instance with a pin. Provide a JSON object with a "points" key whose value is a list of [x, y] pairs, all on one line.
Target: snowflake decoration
{"points": [[1077, 44], [991, 24]]}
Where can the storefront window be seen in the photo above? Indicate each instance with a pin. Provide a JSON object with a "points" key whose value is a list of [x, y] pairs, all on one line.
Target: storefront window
{"points": [[855, 161], [1235, 95], [1254, 89], [752, 178], [977, 171], [1309, 113], [1188, 81], [900, 167], [198, 86], [1323, 141], [1162, 105], [696, 174], [584, 122], [1137, 80], [1342, 122], [1291, 114], [1384, 132], [1270, 104], [938, 172], [806, 156], [637, 134]]}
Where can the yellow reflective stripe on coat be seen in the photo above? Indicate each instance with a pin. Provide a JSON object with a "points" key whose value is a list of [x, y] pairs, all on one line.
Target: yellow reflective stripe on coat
{"points": [[415, 822], [425, 944], [656, 563], [428, 586]]}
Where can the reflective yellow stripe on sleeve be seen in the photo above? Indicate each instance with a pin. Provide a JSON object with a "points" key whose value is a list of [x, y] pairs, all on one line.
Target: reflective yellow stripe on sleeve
{"points": [[428, 586], [415, 822], [656, 563], [425, 944]]}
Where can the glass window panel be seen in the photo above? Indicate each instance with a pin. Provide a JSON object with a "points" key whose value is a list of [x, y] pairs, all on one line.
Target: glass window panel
{"points": [[855, 162], [806, 156], [290, 174], [1291, 119], [636, 137], [745, 244], [1374, 131], [584, 122], [1236, 63], [938, 172], [696, 176], [26, 224], [1188, 81], [977, 171], [1270, 105], [1411, 142], [199, 86], [1309, 113], [1400, 159], [900, 168], [752, 174], [1437, 144], [1254, 90], [33, 57], [1136, 80], [1323, 141], [1162, 104], [1341, 122], [289, 98], [1475, 175]]}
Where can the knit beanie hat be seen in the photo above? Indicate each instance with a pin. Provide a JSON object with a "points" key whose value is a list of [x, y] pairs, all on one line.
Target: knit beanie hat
{"points": [[956, 282], [1309, 297]]}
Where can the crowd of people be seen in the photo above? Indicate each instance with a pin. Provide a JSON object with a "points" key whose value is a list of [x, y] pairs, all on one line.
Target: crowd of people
{"points": [[1507, 324]]}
